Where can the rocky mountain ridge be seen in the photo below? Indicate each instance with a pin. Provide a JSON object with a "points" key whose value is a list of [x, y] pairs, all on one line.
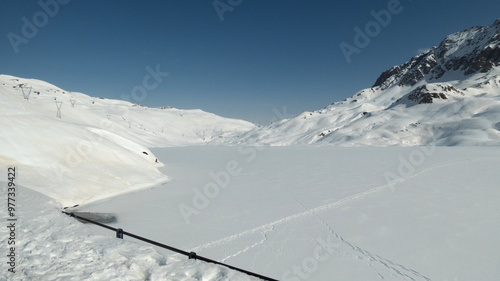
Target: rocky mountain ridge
{"points": [[475, 50], [448, 95]]}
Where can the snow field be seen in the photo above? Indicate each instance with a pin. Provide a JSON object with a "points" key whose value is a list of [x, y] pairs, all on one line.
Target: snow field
{"points": [[323, 213], [53, 246], [293, 213]]}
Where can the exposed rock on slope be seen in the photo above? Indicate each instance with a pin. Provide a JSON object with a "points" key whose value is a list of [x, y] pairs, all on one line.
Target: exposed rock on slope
{"points": [[470, 51], [448, 95]]}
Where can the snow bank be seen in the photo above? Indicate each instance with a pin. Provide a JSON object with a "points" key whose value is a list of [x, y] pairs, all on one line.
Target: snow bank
{"points": [[54, 246], [99, 147]]}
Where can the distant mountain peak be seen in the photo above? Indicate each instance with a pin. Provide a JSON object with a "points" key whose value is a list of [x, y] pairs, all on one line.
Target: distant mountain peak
{"points": [[470, 51], [448, 95]]}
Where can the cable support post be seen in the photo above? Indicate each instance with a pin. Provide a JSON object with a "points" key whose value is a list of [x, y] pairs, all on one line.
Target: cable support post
{"points": [[119, 233]]}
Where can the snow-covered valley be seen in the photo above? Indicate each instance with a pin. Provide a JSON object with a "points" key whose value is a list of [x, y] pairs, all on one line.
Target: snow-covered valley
{"points": [[291, 213], [397, 182]]}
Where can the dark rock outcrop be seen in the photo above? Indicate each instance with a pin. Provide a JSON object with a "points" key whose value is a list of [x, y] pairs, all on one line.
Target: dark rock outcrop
{"points": [[475, 50]]}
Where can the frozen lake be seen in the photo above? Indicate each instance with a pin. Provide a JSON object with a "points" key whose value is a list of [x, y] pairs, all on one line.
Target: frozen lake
{"points": [[326, 213]]}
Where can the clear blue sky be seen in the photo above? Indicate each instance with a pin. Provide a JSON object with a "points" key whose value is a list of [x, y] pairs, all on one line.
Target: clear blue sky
{"points": [[263, 54]]}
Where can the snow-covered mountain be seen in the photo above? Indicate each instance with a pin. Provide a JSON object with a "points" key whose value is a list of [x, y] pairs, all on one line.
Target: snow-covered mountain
{"points": [[448, 95], [327, 211], [98, 147]]}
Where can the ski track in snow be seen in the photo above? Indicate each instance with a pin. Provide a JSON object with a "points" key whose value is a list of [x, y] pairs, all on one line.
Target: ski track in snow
{"points": [[264, 240], [370, 257], [288, 219], [309, 212], [398, 270]]}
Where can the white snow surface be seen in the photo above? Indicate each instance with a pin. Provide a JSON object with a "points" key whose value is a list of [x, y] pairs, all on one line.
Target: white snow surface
{"points": [[290, 213], [99, 147], [331, 205], [53, 246]]}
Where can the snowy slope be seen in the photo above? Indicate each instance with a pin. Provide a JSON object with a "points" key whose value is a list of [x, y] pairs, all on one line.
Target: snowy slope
{"points": [[449, 95], [292, 213], [53, 246], [99, 147]]}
